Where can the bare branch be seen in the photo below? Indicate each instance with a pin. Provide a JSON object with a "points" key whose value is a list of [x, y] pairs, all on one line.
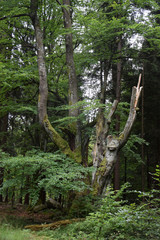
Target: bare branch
{"points": [[112, 111], [138, 91], [109, 117], [58, 2], [132, 114], [14, 16]]}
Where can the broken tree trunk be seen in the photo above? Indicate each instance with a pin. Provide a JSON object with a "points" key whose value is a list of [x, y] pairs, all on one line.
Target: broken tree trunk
{"points": [[53, 225], [107, 146]]}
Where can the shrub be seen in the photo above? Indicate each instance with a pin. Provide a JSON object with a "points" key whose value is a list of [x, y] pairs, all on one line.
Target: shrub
{"points": [[55, 173], [115, 219]]}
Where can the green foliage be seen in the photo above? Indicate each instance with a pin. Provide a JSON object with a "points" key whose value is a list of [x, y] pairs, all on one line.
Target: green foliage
{"points": [[7, 232], [157, 175], [83, 205], [55, 173], [130, 150], [97, 26], [115, 220]]}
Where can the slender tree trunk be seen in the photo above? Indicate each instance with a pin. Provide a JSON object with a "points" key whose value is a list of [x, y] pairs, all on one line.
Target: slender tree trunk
{"points": [[118, 97], [27, 195], [73, 83], [43, 88], [1, 182], [6, 196], [26, 199], [13, 197], [43, 85], [42, 196], [75, 140], [142, 136], [3, 131]]}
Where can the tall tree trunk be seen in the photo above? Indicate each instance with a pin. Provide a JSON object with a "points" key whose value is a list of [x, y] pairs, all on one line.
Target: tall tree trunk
{"points": [[3, 131], [43, 85], [142, 136], [118, 97], [73, 84], [43, 88], [107, 146], [102, 126]]}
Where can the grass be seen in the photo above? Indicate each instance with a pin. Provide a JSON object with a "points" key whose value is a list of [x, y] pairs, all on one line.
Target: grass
{"points": [[7, 232], [11, 228]]}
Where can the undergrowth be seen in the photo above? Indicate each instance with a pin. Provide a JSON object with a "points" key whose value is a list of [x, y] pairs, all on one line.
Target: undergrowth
{"points": [[115, 219], [7, 232]]}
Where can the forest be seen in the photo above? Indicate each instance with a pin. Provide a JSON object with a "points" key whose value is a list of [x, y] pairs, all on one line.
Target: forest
{"points": [[79, 119]]}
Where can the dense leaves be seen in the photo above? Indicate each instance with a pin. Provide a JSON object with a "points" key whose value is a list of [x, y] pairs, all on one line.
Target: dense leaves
{"points": [[97, 28], [116, 219], [55, 173]]}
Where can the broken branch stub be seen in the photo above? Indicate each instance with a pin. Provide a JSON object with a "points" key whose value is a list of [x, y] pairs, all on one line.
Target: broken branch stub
{"points": [[136, 91]]}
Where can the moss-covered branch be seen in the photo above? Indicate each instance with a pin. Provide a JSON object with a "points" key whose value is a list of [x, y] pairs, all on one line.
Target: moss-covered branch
{"points": [[61, 143], [53, 225]]}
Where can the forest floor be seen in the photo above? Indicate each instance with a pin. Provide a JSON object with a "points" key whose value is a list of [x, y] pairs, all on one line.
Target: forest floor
{"points": [[21, 213], [13, 221]]}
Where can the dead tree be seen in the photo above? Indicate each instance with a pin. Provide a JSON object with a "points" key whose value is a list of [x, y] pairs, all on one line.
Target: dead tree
{"points": [[107, 146]]}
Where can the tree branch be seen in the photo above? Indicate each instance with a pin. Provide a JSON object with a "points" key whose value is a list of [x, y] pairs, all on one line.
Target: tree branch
{"points": [[112, 111], [59, 2], [132, 114], [60, 142], [14, 16], [109, 117]]}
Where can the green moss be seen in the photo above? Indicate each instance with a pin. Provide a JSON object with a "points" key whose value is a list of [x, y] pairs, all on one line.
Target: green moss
{"points": [[100, 123], [121, 136], [72, 128], [102, 167], [95, 189], [100, 173], [60, 142]]}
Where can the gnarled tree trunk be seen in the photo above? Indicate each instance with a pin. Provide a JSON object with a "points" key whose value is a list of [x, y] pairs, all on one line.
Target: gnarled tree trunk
{"points": [[107, 146]]}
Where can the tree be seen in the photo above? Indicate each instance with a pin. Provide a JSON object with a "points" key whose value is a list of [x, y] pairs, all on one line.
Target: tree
{"points": [[73, 84], [107, 146], [105, 152]]}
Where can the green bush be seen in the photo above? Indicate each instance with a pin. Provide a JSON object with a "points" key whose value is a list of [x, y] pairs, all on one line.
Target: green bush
{"points": [[115, 219], [157, 175], [55, 173]]}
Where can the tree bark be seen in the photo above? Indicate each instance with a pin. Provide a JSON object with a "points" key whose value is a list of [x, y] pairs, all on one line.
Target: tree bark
{"points": [[43, 88], [142, 136], [118, 97], [3, 131], [43, 85], [73, 83], [107, 146]]}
